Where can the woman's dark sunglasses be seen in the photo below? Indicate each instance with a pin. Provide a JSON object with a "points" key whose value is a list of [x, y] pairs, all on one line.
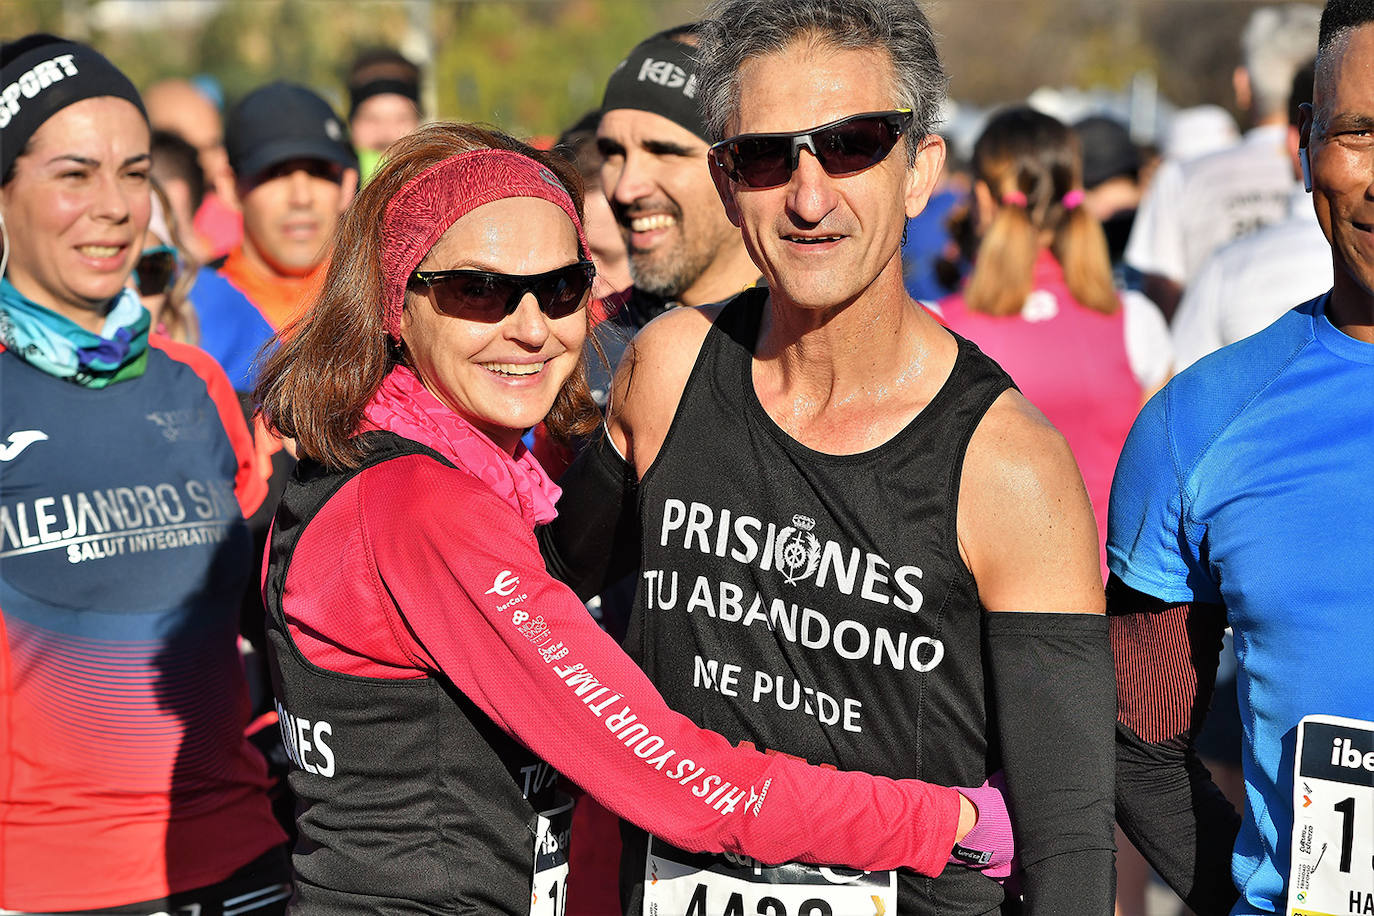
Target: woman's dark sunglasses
{"points": [[157, 270], [842, 147], [483, 295]]}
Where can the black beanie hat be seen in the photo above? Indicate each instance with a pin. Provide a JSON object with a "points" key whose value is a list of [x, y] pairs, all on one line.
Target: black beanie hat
{"points": [[660, 76], [42, 74]]}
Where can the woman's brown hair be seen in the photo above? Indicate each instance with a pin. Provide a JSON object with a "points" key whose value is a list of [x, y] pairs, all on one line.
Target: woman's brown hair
{"points": [[1033, 166], [329, 363]]}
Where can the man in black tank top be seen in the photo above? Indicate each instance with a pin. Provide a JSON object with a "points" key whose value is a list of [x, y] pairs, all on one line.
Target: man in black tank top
{"points": [[859, 544]]}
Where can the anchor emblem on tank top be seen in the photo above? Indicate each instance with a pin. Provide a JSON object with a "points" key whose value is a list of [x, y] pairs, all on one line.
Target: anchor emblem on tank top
{"points": [[798, 552]]}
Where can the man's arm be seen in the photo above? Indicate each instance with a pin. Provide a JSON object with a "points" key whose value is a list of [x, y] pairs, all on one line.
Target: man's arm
{"points": [[1167, 621], [1026, 531], [1166, 664], [650, 380]]}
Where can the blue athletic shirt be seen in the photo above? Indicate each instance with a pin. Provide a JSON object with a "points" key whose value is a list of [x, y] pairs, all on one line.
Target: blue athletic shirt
{"points": [[1245, 482], [232, 330], [125, 774]]}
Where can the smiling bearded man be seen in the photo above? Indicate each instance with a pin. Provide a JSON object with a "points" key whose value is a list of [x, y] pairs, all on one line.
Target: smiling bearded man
{"points": [[682, 249]]}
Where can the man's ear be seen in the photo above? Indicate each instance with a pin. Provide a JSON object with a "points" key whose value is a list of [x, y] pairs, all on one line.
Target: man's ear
{"points": [[1240, 85], [725, 188], [348, 186], [1304, 144], [923, 176]]}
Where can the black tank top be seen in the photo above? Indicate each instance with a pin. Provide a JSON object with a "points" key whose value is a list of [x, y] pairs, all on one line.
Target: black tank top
{"points": [[410, 800], [816, 604]]}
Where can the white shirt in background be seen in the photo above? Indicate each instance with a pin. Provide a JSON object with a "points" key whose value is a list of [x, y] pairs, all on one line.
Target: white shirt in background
{"points": [[1195, 206], [1246, 285]]}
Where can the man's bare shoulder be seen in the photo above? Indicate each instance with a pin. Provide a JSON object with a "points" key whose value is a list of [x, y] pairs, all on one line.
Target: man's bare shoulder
{"points": [[1014, 429], [1026, 527], [668, 345], [651, 378]]}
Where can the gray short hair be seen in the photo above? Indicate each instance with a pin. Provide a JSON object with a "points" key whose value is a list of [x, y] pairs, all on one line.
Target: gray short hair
{"points": [[1277, 42], [736, 30]]}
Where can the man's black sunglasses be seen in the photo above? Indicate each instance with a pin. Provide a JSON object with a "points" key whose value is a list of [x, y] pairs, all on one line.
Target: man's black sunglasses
{"points": [[842, 147], [483, 295]]}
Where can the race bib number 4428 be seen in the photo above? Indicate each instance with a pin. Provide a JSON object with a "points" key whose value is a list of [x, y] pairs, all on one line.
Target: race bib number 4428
{"points": [[1333, 819], [679, 883]]}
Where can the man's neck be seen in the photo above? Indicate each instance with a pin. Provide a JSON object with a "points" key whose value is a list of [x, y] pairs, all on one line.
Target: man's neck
{"points": [[844, 349], [846, 379], [279, 298], [261, 265], [1351, 308], [730, 272]]}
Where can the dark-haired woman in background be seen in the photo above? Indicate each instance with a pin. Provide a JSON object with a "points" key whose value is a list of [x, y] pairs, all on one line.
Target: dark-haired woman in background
{"points": [[1040, 298], [433, 679]]}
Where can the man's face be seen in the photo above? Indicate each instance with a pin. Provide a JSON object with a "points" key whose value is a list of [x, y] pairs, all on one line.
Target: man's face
{"points": [[821, 241], [291, 210], [381, 120], [1340, 141], [659, 187]]}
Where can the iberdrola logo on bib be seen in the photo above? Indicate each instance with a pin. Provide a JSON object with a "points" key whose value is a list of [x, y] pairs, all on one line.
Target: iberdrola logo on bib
{"points": [[798, 553]]}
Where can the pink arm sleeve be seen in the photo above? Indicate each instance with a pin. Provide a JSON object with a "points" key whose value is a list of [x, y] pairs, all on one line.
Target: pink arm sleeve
{"points": [[478, 605]]}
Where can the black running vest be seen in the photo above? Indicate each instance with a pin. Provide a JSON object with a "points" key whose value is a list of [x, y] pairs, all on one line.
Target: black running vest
{"points": [[816, 604], [409, 799]]}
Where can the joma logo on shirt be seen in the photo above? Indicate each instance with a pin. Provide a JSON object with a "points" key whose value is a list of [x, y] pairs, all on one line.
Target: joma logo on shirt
{"points": [[20, 440]]}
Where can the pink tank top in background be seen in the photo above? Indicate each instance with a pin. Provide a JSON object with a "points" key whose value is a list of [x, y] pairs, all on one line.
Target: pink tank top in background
{"points": [[1069, 361]]}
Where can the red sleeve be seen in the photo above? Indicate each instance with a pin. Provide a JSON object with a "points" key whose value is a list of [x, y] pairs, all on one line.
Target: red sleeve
{"points": [[478, 605], [250, 484]]}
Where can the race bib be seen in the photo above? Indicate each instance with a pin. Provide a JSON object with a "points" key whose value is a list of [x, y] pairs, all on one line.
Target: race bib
{"points": [[679, 883], [553, 828], [1333, 818]]}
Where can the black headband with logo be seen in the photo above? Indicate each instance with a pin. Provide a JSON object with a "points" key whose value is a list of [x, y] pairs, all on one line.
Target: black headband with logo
{"points": [[385, 86], [42, 74], [659, 76]]}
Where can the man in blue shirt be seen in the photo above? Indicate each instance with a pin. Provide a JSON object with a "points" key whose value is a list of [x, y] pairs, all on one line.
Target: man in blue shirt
{"points": [[1242, 498]]}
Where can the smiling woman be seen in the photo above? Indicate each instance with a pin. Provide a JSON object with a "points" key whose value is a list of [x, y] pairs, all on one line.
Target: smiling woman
{"points": [[80, 190], [434, 679], [121, 686]]}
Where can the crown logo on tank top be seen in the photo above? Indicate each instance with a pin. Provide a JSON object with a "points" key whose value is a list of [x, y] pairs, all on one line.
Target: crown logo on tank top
{"points": [[798, 550]]}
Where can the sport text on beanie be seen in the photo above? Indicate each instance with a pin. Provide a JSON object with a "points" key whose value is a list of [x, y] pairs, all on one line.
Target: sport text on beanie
{"points": [[42, 74]]}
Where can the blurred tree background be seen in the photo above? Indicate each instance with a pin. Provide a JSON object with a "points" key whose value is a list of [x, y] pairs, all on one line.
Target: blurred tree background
{"points": [[534, 66]]}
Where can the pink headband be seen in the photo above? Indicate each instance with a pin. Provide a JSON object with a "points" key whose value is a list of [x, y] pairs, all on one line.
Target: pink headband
{"points": [[444, 193]]}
